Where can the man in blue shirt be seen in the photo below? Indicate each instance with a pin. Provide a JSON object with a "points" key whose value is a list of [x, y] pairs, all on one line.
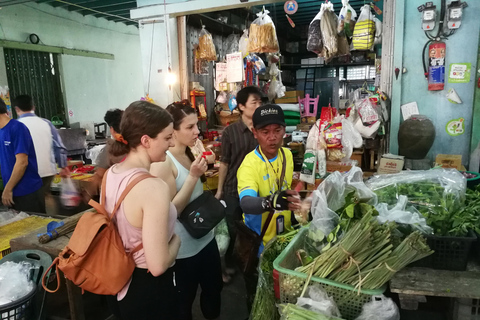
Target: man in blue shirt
{"points": [[18, 165]]}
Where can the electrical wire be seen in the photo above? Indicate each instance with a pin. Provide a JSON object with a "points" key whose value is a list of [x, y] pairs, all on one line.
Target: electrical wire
{"points": [[151, 54], [96, 11]]}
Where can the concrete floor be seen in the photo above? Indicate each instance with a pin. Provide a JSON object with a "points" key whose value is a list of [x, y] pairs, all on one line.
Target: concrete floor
{"points": [[233, 304]]}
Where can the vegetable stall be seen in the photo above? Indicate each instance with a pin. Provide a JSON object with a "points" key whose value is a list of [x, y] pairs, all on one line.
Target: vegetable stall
{"points": [[358, 236]]}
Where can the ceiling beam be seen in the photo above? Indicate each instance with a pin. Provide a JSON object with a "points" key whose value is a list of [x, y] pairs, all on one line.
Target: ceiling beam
{"points": [[107, 4], [111, 9], [12, 2]]}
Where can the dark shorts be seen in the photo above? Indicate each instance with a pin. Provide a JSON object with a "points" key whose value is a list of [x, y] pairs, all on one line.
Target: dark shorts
{"points": [[204, 270], [32, 202], [148, 297]]}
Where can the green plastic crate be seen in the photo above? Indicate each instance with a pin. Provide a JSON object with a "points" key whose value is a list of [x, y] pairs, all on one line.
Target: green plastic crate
{"points": [[291, 282]]}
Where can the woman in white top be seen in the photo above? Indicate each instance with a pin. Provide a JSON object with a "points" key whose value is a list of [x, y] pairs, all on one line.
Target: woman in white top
{"points": [[198, 261]]}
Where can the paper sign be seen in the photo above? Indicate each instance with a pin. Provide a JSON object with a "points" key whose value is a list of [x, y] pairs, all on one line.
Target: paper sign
{"points": [[234, 67], [220, 75], [409, 110], [459, 72], [5, 96]]}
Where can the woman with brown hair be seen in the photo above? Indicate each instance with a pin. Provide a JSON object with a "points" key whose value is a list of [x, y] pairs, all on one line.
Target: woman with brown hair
{"points": [[146, 216], [198, 261]]}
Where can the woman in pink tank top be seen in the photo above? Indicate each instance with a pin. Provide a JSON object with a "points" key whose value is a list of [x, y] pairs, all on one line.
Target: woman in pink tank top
{"points": [[146, 215]]}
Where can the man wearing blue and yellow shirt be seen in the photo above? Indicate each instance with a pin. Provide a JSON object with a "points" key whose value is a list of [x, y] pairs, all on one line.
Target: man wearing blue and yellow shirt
{"points": [[258, 177]]}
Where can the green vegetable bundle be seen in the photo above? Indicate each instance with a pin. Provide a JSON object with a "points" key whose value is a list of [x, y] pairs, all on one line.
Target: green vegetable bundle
{"points": [[437, 194], [264, 304], [365, 257], [293, 312]]}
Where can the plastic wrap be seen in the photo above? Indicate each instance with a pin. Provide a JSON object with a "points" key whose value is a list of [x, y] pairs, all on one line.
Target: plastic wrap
{"points": [[330, 196], [93, 153], [232, 43], [222, 237], [351, 138], [328, 25], [364, 32], [69, 195], [315, 41], [262, 36], [206, 47], [243, 44], [293, 312], [429, 191], [318, 300], [346, 19], [403, 215], [380, 308]]}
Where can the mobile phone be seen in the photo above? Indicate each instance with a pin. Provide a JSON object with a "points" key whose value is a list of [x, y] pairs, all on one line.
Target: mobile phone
{"points": [[280, 224]]}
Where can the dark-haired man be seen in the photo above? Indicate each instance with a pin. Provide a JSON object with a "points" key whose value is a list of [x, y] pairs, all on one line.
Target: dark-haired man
{"points": [[18, 164], [47, 142], [237, 141], [260, 185]]}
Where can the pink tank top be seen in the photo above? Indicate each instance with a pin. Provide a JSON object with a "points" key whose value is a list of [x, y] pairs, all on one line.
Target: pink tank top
{"points": [[131, 236]]}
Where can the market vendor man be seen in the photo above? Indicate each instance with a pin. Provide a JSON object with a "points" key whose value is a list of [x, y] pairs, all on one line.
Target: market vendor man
{"points": [[259, 186]]}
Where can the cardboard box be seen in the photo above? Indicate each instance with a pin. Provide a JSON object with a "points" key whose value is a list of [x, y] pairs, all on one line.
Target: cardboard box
{"points": [[305, 127], [286, 100], [449, 161], [294, 94], [309, 120], [390, 163], [333, 166], [358, 156]]}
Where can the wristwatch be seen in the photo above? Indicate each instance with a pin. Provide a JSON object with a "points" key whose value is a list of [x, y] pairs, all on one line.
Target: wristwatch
{"points": [[266, 204]]}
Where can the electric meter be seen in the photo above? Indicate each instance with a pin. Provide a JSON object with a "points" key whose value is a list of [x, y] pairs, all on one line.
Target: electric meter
{"points": [[454, 14], [428, 16]]}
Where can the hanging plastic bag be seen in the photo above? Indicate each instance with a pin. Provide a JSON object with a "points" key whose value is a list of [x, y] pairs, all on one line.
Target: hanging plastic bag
{"points": [[314, 159], [222, 237], [368, 113], [243, 44], [351, 138], [315, 41], [328, 25], [262, 36], [380, 308], [69, 195], [346, 19], [258, 64], [378, 31], [232, 43], [364, 32], [206, 48]]}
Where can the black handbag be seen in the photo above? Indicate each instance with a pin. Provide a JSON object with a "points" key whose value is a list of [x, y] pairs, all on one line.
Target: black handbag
{"points": [[247, 241], [202, 215]]}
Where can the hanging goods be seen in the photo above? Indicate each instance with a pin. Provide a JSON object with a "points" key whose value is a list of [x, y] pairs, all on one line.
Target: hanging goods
{"points": [[436, 66], [364, 32]]}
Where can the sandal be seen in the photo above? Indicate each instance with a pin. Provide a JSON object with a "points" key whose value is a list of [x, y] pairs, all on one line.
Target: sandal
{"points": [[226, 278]]}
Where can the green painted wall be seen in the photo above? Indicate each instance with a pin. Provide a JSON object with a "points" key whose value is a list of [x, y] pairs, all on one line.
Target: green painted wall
{"points": [[476, 108]]}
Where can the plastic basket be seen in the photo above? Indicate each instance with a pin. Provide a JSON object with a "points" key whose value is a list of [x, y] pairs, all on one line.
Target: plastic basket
{"points": [[30, 306], [451, 253], [290, 282]]}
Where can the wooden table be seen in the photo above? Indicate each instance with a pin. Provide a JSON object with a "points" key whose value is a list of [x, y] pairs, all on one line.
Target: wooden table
{"points": [[414, 284], [53, 248]]}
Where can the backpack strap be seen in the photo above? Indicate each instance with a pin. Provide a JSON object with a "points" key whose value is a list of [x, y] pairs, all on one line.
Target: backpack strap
{"points": [[128, 189], [44, 284]]}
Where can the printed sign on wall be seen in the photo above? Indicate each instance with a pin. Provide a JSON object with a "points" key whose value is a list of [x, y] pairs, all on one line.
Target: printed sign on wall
{"points": [[459, 72]]}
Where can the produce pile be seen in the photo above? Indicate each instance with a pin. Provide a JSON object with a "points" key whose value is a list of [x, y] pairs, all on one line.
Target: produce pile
{"points": [[439, 195], [264, 304], [368, 255]]}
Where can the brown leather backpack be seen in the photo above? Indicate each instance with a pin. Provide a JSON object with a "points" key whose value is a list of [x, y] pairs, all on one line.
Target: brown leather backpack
{"points": [[95, 258]]}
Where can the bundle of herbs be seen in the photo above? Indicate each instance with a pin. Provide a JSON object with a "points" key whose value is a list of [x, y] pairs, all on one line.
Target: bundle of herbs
{"points": [[366, 252], [264, 303]]}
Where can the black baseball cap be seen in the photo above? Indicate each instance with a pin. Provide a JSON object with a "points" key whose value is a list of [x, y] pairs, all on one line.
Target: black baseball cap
{"points": [[268, 114]]}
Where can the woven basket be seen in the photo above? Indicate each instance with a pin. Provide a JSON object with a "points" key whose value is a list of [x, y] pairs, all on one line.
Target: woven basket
{"points": [[225, 118]]}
